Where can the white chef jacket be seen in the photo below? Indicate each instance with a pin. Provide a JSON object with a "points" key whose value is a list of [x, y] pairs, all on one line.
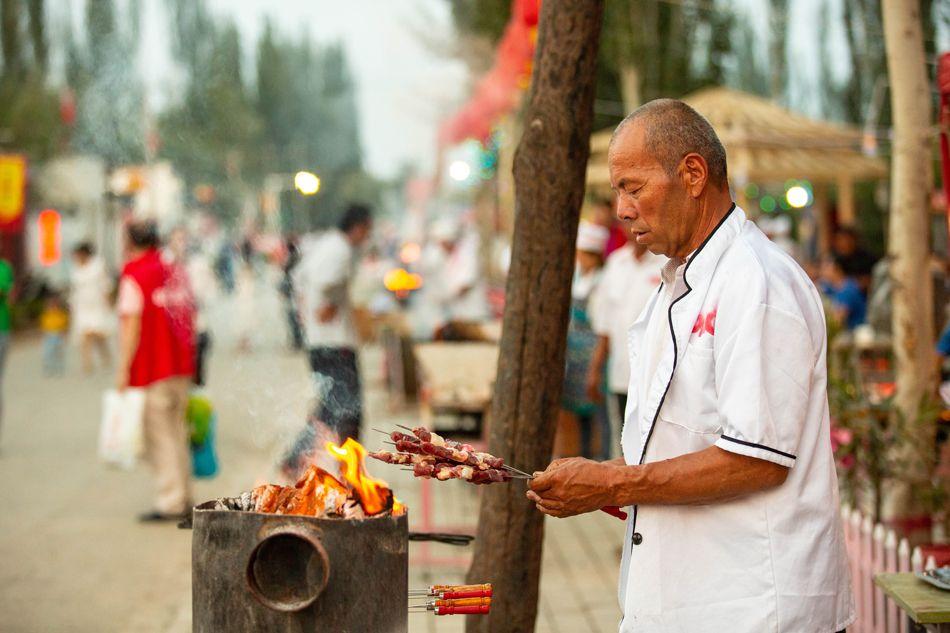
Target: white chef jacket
{"points": [[625, 287], [322, 277], [743, 369]]}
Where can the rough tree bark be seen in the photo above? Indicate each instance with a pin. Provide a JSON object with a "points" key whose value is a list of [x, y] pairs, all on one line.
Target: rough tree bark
{"points": [[549, 170], [909, 241]]}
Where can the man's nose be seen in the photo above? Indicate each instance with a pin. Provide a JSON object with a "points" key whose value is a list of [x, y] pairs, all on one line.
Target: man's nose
{"points": [[627, 212]]}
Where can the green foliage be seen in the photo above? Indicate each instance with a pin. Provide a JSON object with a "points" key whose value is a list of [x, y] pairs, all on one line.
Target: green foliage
{"points": [[29, 109], [29, 117], [875, 445], [483, 18]]}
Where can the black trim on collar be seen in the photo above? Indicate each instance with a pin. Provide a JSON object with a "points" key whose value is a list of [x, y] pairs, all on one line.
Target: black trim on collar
{"points": [[669, 316], [762, 446]]}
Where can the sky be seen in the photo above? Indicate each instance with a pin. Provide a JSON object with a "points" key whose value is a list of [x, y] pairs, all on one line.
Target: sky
{"points": [[405, 81]]}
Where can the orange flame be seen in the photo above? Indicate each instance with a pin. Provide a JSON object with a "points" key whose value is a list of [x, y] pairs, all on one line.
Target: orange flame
{"points": [[374, 494]]}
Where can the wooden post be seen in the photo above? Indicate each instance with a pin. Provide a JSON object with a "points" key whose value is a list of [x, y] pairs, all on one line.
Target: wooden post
{"points": [[549, 168], [846, 212], [911, 184]]}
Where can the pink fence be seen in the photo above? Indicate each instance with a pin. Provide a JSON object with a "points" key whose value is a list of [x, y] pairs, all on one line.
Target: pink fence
{"points": [[873, 549]]}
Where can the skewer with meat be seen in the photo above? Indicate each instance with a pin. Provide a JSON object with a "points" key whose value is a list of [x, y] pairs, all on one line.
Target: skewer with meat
{"points": [[444, 471], [401, 458]]}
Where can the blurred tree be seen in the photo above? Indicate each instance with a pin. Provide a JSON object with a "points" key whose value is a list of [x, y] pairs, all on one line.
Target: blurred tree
{"points": [[307, 101], [38, 36], [29, 110], [10, 30], [485, 18], [110, 103], [778, 53], [212, 132]]}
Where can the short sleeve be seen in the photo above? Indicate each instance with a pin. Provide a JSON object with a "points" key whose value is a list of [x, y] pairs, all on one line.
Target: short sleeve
{"points": [[130, 301], [763, 376]]}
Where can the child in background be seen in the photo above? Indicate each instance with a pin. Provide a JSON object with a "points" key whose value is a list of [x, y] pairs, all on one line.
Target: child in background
{"points": [[54, 322]]}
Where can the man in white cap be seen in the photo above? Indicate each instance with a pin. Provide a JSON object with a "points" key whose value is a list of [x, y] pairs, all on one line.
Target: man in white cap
{"points": [[582, 341]]}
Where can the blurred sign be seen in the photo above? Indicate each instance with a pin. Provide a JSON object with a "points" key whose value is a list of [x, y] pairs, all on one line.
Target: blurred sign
{"points": [[12, 191], [50, 236]]}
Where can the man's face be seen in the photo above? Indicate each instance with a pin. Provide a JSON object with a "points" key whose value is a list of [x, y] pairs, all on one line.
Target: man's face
{"points": [[654, 207], [360, 233]]}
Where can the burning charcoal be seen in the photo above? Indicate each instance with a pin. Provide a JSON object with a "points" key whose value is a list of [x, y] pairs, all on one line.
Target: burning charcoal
{"points": [[245, 502], [353, 510]]}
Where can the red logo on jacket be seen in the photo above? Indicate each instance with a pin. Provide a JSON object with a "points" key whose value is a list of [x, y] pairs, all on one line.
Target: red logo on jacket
{"points": [[706, 323]]}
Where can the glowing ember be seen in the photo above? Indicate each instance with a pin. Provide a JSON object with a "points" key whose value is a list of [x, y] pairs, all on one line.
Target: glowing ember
{"points": [[374, 494]]}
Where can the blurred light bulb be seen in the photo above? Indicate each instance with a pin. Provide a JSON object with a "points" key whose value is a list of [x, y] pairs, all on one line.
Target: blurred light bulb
{"points": [[797, 196], [306, 183], [459, 171]]}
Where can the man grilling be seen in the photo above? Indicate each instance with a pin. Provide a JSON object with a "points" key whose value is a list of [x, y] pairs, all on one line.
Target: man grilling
{"points": [[727, 466]]}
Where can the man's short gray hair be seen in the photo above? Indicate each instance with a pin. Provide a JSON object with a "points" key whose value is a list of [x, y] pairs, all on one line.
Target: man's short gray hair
{"points": [[673, 130]]}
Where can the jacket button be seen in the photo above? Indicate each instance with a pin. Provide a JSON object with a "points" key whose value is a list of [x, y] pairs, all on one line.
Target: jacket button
{"points": [[637, 538]]}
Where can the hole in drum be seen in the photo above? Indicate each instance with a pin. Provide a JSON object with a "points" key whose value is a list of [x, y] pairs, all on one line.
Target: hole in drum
{"points": [[287, 571]]}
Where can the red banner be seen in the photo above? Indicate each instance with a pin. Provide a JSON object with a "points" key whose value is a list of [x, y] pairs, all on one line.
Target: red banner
{"points": [[498, 91]]}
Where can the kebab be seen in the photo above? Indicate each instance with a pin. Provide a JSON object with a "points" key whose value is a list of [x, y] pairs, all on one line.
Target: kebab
{"points": [[486, 467], [424, 441]]}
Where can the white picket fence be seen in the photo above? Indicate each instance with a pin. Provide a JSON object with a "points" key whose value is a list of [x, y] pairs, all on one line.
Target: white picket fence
{"points": [[873, 549]]}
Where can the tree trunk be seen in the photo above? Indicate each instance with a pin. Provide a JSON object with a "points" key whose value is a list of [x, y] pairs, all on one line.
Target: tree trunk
{"points": [[549, 169], [909, 238]]}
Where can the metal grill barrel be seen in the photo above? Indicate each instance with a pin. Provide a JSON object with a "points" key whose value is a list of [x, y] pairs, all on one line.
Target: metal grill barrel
{"points": [[280, 573]]}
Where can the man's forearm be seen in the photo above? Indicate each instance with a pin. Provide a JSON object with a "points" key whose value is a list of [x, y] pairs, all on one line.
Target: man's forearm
{"points": [[706, 476], [601, 350]]}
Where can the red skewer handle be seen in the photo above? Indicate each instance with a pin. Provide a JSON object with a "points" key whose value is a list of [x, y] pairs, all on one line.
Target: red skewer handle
{"points": [[615, 511], [451, 595], [462, 610]]}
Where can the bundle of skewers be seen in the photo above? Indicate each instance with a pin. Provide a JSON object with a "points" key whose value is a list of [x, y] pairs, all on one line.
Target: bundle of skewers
{"points": [[429, 455], [452, 599]]}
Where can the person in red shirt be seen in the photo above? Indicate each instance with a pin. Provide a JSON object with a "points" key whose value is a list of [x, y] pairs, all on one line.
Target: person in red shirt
{"points": [[156, 351]]}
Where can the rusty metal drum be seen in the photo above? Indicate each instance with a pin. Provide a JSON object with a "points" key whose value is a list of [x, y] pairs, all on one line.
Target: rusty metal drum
{"points": [[282, 573]]}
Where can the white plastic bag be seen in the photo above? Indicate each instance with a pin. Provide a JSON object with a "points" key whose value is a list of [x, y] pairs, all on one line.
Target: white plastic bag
{"points": [[121, 433]]}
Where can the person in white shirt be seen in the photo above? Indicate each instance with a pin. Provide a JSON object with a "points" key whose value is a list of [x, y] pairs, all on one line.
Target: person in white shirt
{"points": [[727, 470], [630, 277], [322, 283], [92, 315]]}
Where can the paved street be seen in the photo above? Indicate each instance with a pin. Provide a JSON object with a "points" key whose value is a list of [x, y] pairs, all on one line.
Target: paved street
{"points": [[74, 558]]}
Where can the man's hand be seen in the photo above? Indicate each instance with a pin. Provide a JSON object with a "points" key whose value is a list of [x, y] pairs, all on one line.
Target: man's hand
{"points": [[121, 380], [572, 486], [327, 313]]}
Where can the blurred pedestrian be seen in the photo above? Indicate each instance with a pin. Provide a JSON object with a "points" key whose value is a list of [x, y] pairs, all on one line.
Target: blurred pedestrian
{"points": [[89, 306], [247, 303], [856, 261], [322, 283], [849, 306], [294, 330], [582, 341], [6, 289], [54, 323], [630, 277], [156, 352]]}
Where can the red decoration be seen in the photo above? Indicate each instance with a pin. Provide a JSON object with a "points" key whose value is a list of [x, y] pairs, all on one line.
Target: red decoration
{"points": [[497, 91]]}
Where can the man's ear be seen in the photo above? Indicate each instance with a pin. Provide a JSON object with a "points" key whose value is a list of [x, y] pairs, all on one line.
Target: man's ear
{"points": [[695, 173]]}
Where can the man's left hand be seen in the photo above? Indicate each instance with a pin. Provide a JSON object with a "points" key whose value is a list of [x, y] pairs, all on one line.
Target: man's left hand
{"points": [[573, 486]]}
